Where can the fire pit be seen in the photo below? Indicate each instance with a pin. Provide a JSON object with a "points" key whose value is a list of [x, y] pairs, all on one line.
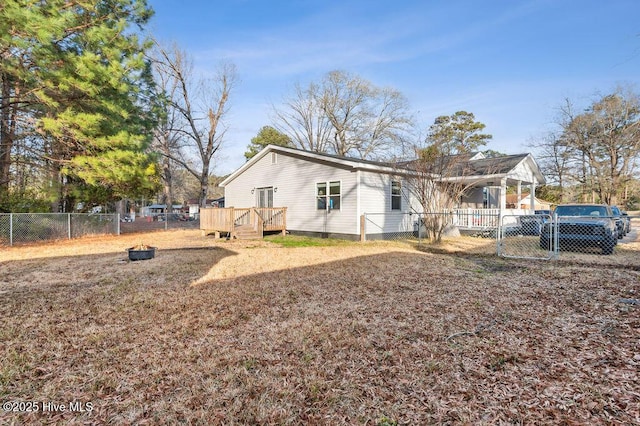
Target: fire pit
{"points": [[141, 252]]}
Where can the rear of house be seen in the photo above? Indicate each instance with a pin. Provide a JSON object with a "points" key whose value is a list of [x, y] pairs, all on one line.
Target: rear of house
{"points": [[327, 195], [324, 194]]}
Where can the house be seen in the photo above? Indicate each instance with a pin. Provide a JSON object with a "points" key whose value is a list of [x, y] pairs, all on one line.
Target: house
{"points": [[327, 194], [157, 210], [514, 201], [193, 205]]}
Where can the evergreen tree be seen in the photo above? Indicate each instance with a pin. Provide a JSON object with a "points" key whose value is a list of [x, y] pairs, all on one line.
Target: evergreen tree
{"points": [[74, 78], [266, 136]]}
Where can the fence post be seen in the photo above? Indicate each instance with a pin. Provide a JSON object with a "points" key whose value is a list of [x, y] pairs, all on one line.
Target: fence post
{"points": [[556, 239], [284, 222], [69, 225], [499, 236], [363, 235], [10, 229], [117, 223]]}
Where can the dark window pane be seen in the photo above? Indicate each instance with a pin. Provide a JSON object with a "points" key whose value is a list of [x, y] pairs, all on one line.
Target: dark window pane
{"points": [[322, 203], [334, 188], [334, 202], [396, 202]]}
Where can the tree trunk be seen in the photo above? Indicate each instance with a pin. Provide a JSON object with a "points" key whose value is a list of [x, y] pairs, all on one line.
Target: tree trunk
{"points": [[168, 184], [204, 183], [7, 132]]}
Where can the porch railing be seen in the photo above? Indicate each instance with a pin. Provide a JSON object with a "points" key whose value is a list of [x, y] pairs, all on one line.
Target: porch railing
{"points": [[476, 218], [483, 218]]}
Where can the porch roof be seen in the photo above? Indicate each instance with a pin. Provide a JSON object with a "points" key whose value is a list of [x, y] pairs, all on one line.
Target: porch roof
{"points": [[490, 171]]}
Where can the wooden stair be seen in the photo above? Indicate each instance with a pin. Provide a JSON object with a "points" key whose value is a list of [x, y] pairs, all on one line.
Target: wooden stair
{"points": [[246, 232]]}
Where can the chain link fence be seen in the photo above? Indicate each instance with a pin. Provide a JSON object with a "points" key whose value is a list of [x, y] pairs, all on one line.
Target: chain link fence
{"points": [[159, 222], [421, 227], [546, 237], [522, 236], [394, 226], [22, 228]]}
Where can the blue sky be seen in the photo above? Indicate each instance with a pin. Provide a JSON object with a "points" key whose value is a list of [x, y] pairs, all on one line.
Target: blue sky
{"points": [[510, 62]]}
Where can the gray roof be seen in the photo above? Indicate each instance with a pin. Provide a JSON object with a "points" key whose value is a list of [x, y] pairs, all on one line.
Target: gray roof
{"points": [[465, 165]]}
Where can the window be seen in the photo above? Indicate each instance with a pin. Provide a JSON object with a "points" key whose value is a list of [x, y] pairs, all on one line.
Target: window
{"points": [[274, 158], [334, 195], [328, 195], [396, 195], [322, 195], [264, 197]]}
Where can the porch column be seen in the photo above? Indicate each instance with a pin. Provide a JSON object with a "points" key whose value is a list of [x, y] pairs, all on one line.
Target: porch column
{"points": [[519, 194], [503, 196], [533, 195]]}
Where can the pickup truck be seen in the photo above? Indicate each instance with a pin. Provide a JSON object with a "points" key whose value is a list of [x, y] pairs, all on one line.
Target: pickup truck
{"points": [[581, 226], [531, 224], [620, 221]]}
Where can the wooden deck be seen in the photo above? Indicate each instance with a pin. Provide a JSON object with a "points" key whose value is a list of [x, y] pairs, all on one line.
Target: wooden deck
{"points": [[243, 223]]}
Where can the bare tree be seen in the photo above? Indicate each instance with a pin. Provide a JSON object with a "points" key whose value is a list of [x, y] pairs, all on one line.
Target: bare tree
{"points": [[302, 119], [167, 140], [606, 143], [442, 172], [346, 115], [557, 162], [438, 182], [193, 131]]}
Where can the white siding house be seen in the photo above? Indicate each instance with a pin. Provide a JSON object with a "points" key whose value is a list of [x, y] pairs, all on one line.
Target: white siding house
{"points": [[327, 194], [323, 194]]}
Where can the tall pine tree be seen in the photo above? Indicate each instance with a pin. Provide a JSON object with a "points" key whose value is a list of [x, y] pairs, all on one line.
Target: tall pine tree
{"points": [[74, 78]]}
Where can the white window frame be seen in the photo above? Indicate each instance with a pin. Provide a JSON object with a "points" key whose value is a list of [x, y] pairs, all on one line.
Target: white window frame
{"points": [[274, 158], [398, 196], [327, 196], [266, 190]]}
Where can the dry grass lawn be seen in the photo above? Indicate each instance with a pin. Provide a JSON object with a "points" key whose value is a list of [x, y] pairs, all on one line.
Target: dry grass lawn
{"points": [[229, 332]]}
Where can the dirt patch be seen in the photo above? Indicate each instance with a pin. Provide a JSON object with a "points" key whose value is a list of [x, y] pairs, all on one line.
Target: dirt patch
{"points": [[219, 332]]}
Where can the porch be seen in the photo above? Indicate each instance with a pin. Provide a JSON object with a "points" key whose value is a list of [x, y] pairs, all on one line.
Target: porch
{"points": [[244, 223], [471, 219]]}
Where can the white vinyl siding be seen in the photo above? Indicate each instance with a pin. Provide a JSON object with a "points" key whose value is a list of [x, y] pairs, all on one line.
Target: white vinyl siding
{"points": [[294, 181], [376, 193]]}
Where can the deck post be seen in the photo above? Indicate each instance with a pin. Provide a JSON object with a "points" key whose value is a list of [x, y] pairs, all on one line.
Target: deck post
{"points": [[229, 225], [363, 235]]}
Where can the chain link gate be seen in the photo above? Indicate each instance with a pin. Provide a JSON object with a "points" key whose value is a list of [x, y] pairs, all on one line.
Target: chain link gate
{"points": [[527, 237]]}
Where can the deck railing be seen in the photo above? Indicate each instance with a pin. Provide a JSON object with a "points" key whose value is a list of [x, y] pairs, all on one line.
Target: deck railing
{"points": [[220, 220], [275, 219], [227, 219]]}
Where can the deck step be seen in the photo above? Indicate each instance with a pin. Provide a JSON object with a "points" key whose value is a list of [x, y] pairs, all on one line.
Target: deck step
{"points": [[246, 232]]}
